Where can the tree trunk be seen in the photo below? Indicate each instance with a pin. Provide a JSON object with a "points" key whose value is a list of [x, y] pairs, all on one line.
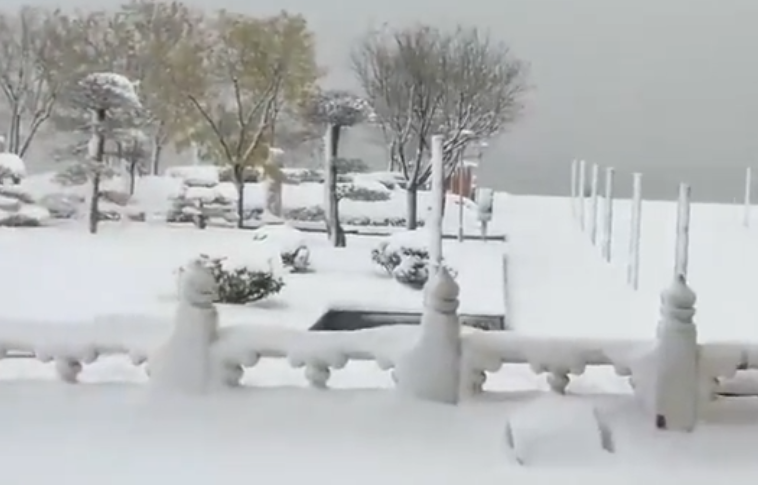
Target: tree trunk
{"points": [[132, 176], [99, 156], [155, 156], [338, 235], [239, 181], [17, 134], [411, 221], [333, 227], [10, 146]]}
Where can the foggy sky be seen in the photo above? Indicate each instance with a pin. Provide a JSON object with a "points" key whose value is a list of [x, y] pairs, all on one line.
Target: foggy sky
{"points": [[667, 87]]}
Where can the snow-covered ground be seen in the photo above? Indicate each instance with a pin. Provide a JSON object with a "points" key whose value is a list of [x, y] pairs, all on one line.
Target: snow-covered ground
{"points": [[587, 297], [65, 275], [109, 429]]}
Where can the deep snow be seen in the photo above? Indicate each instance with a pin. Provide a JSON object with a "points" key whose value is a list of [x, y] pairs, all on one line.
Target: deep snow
{"points": [[109, 429]]}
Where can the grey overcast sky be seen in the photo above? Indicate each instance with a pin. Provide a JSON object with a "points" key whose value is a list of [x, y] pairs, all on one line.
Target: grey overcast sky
{"points": [[667, 87]]}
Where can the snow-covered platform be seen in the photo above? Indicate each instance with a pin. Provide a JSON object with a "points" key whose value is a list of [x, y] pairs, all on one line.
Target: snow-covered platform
{"points": [[63, 275]]}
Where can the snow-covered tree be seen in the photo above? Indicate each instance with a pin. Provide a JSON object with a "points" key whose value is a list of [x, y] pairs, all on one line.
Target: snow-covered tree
{"points": [[102, 94], [253, 67], [422, 81], [133, 149], [335, 111], [35, 67]]}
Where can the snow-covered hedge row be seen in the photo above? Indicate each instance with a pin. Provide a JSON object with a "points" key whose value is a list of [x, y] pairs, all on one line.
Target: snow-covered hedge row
{"points": [[405, 257], [259, 270], [18, 208]]}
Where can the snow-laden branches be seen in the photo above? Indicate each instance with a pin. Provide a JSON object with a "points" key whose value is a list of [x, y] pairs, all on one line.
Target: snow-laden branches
{"points": [[339, 108], [423, 81], [34, 45], [105, 91]]}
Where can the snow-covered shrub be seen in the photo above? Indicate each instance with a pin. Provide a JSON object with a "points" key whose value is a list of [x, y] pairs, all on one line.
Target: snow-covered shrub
{"points": [[290, 243], [310, 214], [200, 203], [390, 180], [79, 173], [413, 271], [302, 175], [363, 191], [405, 257], [12, 168], [62, 205], [24, 212], [406, 264], [250, 175], [239, 283], [350, 165], [196, 175]]}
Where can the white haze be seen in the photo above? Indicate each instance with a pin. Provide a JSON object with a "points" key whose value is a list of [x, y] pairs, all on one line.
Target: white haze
{"points": [[668, 87]]}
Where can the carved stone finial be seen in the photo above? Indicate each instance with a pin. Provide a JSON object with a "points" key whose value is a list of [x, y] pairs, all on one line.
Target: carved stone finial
{"points": [[198, 287], [441, 292], [678, 301]]}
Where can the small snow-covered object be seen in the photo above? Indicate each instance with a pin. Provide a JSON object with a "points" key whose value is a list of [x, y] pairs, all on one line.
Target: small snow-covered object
{"points": [[557, 430], [484, 203], [12, 166], [290, 242], [196, 175]]}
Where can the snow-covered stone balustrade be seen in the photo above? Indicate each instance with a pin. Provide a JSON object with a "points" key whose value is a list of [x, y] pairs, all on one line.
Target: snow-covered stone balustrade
{"points": [[672, 374]]}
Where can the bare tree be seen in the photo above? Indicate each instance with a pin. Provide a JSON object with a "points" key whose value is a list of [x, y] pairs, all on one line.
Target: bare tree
{"points": [[423, 81], [133, 149], [151, 35], [34, 69], [334, 111], [254, 67], [102, 94]]}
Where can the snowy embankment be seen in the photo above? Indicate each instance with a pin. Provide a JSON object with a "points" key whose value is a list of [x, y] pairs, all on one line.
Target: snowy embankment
{"points": [[155, 195]]}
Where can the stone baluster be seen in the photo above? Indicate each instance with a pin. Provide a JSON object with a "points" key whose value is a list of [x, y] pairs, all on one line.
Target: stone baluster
{"points": [[676, 380], [431, 371], [184, 364]]}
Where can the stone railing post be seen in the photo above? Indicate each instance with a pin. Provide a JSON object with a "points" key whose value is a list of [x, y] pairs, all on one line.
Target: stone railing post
{"points": [[431, 371], [183, 364], [676, 379]]}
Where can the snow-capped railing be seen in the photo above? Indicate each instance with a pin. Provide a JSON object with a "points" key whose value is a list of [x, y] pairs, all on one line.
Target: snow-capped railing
{"points": [[559, 358], [437, 360]]}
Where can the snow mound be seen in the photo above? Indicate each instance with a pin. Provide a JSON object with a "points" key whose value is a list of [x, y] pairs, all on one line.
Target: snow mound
{"points": [[196, 175], [390, 180], [11, 165], [368, 182], [285, 237], [416, 240], [556, 431]]}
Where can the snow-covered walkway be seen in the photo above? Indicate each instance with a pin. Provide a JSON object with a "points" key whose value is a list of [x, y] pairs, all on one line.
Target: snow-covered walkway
{"points": [[557, 283]]}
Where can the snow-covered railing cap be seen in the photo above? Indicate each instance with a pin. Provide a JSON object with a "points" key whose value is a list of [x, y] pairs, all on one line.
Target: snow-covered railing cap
{"points": [[678, 301], [442, 292]]}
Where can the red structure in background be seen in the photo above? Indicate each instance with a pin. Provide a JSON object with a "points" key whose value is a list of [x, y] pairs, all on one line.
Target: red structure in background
{"points": [[461, 182]]}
